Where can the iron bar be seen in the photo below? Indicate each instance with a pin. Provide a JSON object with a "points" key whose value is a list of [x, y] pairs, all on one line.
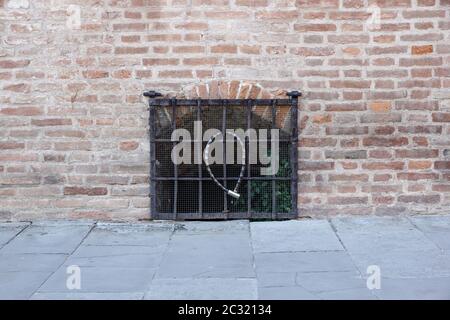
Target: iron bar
{"points": [[264, 178], [175, 166], [294, 149], [200, 172], [152, 133], [274, 198], [247, 145], [251, 140], [218, 102], [224, 154]]}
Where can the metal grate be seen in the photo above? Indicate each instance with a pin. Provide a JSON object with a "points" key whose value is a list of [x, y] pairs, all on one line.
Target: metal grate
{"points": [[186, 191]]}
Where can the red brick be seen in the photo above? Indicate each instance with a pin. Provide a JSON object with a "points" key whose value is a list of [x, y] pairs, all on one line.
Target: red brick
{"points": [[21, 111], [376, 188], [128, 145], [415, 176], [380, 106], [226, 15], [385, 142], [347, 130], [346, 107], [252, 3], [312, 52], [419, 165], [419, 199], [441, 117], [317, 27], [4, 145], [160, 61], [284, 15], [122, 74], [417, 153], [426, 3], [51, 122], [410, 62], [250, 49], [350, 143], [224, 48], [65, 133], [130, 27], [193, 26], [419, 50], [348, 177], [88, 191], [20, 87], [67, 146], [315, 142], [176, 74], [315, 165], [13, 64], [200, 61], [442, 165], [353, 4], [382, 177], [421, 129], [315, 189], [420, 141], [347, 200], [380, 154], [441, 188], [384, 130], [130, 50], [54, 158], [393, 165], [95, 74], [383, 200]]}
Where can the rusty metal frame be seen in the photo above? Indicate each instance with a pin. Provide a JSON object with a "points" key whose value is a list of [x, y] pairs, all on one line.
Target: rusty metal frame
{"points": [[156, 100]]}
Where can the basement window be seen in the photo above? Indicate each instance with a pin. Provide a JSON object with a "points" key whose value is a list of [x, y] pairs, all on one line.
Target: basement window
{"points": [[187, 191]]}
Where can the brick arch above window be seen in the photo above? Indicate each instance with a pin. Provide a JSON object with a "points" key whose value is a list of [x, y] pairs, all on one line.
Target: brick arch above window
{"points": [[233, 89], [228, 89]]}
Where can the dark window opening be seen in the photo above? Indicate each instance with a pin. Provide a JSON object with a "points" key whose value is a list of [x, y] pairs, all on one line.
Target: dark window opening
{"points": [[186, 191]]}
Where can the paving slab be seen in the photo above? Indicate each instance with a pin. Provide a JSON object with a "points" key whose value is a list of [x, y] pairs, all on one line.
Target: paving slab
{"points": [[88, 296], [61, 223], [9, 230], [276, 279], [222, 227], [392, 243], [20, 285], [380, 234], [330, 281], [294, 235], [117, 256], [301, 259], [436, 228], [100, 279], [348, 294], [62, 238], [31, 262], [208, 255], [203, 289], [285, 293], [414, 288], [125, 234], [398, 263], [304, 262]]}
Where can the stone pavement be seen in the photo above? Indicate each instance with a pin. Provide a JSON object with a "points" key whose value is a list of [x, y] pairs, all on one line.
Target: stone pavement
{"points": [[301, 259]]}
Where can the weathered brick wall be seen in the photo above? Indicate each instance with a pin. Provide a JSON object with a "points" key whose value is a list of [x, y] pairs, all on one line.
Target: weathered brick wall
{"points": [[375, 117]]}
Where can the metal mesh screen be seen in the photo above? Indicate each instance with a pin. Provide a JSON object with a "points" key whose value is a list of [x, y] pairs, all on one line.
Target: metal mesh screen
{"points": [[186, 191]]}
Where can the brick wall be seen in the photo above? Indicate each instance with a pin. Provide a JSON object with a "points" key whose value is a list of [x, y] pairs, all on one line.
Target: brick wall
{"points": [[375, 117]]}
